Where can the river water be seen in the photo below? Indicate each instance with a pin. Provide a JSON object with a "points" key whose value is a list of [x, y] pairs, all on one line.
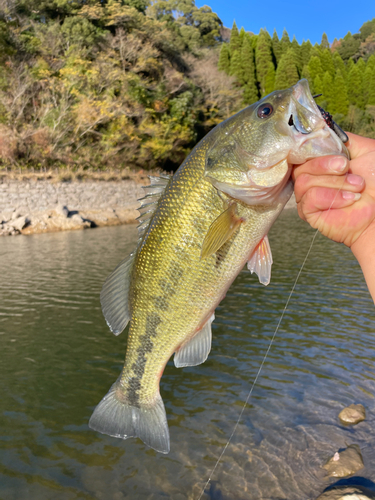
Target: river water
{"points": [[58, 359]]}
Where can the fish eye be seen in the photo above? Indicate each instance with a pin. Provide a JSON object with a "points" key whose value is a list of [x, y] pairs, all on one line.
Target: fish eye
{"points": [[265, 110]]}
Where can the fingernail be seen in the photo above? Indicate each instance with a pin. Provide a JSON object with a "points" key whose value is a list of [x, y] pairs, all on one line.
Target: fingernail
{"points": [[354, 180], [337, 164], [347, 195]]}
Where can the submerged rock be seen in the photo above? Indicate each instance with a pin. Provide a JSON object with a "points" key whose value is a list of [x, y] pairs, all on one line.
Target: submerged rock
{"points": [[345, 463], [348, 493], [353, 414]]}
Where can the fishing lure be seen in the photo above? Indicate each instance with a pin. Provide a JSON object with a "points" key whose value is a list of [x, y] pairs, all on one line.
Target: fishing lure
{"points": [[331, 124]]}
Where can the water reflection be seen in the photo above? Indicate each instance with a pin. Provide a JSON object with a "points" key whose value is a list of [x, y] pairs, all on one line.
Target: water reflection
{"points": [[59, 358]]}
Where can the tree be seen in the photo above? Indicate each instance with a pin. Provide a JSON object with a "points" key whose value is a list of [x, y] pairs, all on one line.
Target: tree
{"points": [[367, 29], [247, 61], [340, 101], [367, 78], [285, 42], [248, 71], [355, 90], [236, 66], [305, 52], [250, 93], [324, 43], [327, 62], [318, 85], [224, 61], [361, 65], [286, 73], [242, 34], [339, 64], [328, 91], [269, 84], [276, 47], [348, 46], [298, 57], [315, 70], [235, 41], [263, 58], [371, 96]]}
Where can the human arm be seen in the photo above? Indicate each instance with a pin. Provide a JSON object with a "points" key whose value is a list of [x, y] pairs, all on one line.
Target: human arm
{"points": [[339, 200]]}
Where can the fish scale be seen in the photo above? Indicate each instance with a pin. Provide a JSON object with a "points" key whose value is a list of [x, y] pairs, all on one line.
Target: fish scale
{"points": [[212, 217]]}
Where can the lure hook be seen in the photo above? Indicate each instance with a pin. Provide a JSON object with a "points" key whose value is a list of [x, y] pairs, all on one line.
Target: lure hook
{"points": [[332, 124]]}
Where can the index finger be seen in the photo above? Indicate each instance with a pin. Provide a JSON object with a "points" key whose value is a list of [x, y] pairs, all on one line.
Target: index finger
{"points": [[323, 165]]}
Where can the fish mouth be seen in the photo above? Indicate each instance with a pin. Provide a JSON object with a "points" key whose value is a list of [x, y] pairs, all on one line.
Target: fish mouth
{"points": [[310, 133]]}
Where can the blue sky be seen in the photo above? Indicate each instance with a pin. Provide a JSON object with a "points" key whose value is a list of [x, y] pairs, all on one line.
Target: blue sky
{"points": [[306, 18]]}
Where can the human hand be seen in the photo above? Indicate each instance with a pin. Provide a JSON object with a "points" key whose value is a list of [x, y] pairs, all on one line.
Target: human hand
{"points": [[337, 196]]}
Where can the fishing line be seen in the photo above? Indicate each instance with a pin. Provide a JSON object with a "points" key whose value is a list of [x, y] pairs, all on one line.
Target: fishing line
{"points": [[267, 351]]}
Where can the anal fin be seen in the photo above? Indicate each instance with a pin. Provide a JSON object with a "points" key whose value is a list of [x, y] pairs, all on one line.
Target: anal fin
{"points": [[196, 350], [261, 261]]}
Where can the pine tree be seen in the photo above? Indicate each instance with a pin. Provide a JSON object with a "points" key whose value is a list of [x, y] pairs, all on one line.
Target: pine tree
{"points": [[298, 57], [371, 97], [306, 48], [367, 77], [235, 41], [355, 91], [306, 74], [276, 47], [318, 85], [224, 61], [327, 62], [371, 61], [349, 66], [339, 64], [315, 70], [286, 73], [269, 83], [242, 34], [235, 65], [328, 91], [247, 61], [250, 94], [361, 65], [324, 43], [263, 57], [285, 42], [340, 101]]}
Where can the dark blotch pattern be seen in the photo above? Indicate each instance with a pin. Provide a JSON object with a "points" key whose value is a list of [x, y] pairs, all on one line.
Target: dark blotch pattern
{"points": [[138, 368]]}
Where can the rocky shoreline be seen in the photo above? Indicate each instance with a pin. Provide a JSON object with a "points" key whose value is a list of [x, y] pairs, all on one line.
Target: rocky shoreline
{"points": [[42, 206]]}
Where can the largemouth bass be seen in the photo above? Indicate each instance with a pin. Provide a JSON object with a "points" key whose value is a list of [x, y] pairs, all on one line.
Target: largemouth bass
{"points": [[197, 230]]}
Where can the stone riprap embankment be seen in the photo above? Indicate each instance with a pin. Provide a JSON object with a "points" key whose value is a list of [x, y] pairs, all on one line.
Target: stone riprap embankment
{"points": [[28, 207], [41, 206]]}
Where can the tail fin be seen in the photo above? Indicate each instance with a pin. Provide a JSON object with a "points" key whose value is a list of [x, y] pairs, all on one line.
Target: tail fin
{"points": [[122, 420]]}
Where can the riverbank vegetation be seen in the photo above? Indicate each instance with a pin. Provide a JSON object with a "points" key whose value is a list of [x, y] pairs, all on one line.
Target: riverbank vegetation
{"points": [[132, 83]]}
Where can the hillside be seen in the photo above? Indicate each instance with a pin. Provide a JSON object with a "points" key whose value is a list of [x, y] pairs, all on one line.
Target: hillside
{"points": [[119, 83]]}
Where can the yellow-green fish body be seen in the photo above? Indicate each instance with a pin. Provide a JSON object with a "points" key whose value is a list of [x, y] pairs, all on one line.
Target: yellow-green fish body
{"points": [[197, 232]]}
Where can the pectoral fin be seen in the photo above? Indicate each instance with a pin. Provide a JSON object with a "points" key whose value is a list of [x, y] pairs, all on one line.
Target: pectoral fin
{"points": [[220, 231], [261, 261]]}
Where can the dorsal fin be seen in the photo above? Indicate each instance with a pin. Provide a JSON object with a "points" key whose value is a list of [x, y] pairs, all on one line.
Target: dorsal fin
{"points": [[114, 296], [150, 201]]}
